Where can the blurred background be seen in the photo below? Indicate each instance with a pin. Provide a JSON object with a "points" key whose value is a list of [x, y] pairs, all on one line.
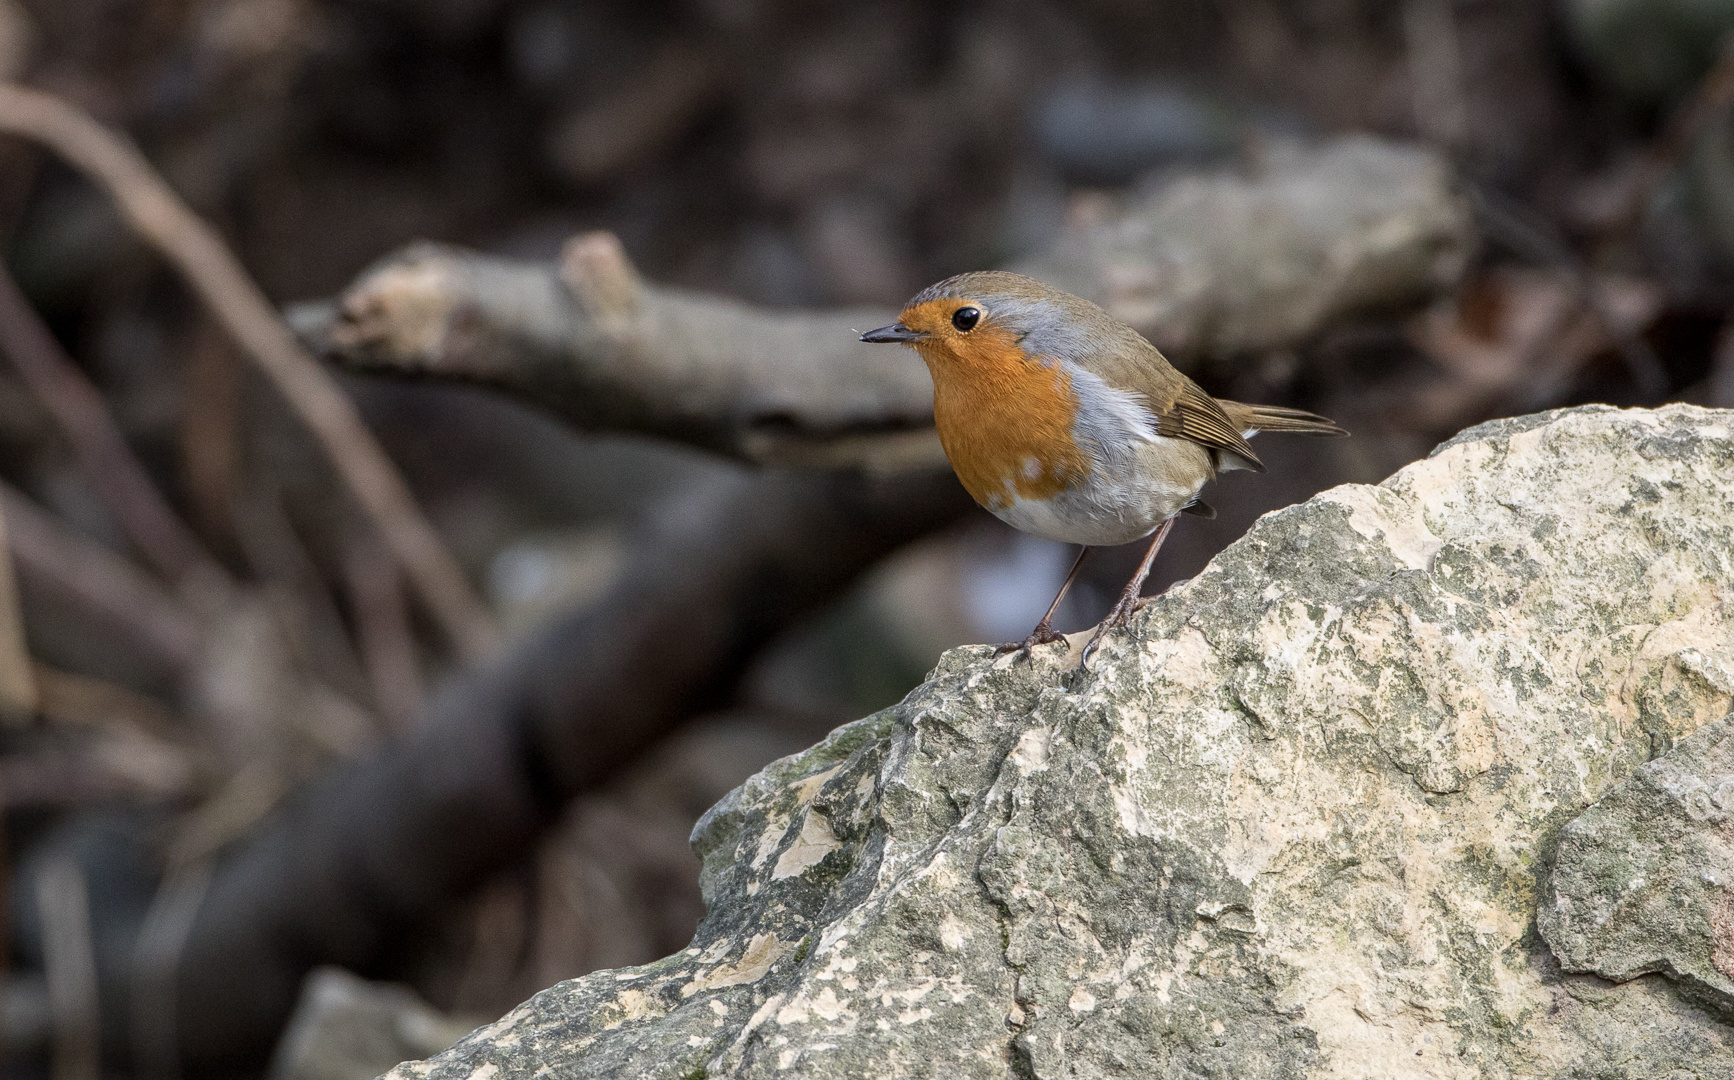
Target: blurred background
{"points": [[252, 783]]}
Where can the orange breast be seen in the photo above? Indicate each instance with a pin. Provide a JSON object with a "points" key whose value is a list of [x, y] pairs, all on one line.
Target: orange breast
{"points": [[1005, 421]]}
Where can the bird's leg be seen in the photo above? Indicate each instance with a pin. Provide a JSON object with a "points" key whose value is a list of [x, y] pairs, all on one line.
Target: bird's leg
{"points": [[1128, 602], [1044, 631]]}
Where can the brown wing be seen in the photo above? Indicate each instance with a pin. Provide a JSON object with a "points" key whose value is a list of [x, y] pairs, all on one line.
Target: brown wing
{"points": [[1195, 415], [1279, 418], [1183, 410]]}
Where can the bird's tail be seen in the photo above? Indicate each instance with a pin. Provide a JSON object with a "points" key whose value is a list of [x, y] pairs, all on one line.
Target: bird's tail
{"points": [[1254, 418]]}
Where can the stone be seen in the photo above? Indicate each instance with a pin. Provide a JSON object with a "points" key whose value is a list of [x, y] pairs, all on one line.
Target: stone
{"points": [[1644, 881], [1295, 822], [347, 1028]]}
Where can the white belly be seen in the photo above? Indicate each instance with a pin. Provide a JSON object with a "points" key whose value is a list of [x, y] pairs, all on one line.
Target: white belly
{"points": [[1117, 503]]}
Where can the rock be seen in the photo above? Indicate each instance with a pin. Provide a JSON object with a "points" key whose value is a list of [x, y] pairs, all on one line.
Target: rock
{"points": [[1295, 822], [1645, 878], [347, 1028]]}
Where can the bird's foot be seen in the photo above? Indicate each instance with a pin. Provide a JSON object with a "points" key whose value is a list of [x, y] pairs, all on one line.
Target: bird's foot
{"points": [[1043, 634], [1119, 616]]}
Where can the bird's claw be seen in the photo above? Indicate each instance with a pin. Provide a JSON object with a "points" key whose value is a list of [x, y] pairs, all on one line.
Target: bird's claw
{"points": [[1119, 616], [1043, 634]]}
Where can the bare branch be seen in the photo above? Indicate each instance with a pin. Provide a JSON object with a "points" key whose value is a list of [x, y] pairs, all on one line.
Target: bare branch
{"points": [[592, 342], [1209, 265], [217, 276], [105, 769], [17, 684]]}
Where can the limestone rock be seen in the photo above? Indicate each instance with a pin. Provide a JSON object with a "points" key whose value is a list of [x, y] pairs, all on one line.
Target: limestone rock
{"points": [[347, 1028], [1294, 823], [1645, 877]]}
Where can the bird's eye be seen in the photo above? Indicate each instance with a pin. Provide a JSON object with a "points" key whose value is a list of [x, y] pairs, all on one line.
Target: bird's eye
{"points": [[965, 318]]}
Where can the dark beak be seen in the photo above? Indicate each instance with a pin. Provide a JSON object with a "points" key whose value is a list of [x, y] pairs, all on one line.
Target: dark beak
{"points": [[896, 333]]}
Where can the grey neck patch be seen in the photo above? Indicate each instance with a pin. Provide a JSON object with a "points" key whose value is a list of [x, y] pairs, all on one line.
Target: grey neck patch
{"points": [[1109, 420]]}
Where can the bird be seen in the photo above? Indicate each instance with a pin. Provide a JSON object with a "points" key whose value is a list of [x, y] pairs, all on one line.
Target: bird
{"points": [[1066, 423]]}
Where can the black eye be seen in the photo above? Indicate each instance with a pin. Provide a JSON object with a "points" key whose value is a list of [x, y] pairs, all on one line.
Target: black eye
{"points": [[965, 318]]}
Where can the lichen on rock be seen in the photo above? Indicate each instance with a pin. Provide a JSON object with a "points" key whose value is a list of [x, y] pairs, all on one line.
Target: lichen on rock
{"points": [[1296, 822]]}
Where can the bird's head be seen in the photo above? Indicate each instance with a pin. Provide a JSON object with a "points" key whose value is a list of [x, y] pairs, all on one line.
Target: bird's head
{"points": [[981, 320]]}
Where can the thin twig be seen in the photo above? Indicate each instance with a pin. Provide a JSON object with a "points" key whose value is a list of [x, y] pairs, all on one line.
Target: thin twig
{"points": [[17, 684], [87, 702], [195, 249], [628, 126], [103, 768], [127, 489], [382, 630], [274, 550], [210, 431]]}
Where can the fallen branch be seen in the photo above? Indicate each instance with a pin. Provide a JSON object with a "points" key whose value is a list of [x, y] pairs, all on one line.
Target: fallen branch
{"points": [[195, 249], [1215, 265], [590, 340]]}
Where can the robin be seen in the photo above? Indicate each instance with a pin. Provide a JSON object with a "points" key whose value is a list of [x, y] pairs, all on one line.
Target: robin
{"points": [[1066, 423]]}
